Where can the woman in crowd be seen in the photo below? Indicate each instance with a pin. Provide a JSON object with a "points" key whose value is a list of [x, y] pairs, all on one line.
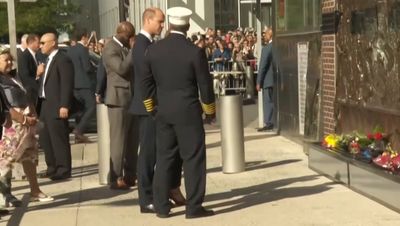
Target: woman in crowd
{"points": [[221, 55], [18, 144]]}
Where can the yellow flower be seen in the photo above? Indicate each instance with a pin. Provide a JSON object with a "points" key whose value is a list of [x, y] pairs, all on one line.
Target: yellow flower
{"points": [[331, 140]]}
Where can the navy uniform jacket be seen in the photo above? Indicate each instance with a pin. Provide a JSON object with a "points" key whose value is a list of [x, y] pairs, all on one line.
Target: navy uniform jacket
{"points": [[265, 77], [138, 53], [175, 70]]}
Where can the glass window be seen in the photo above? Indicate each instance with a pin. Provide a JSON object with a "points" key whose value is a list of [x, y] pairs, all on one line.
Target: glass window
{"points": [[225, 14], [298, 15]]}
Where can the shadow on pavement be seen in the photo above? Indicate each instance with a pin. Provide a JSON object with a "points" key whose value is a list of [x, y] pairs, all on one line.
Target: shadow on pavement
{"points": [[257, 165], [81, 196], [18, 213], [246, 138], [242, 198], [77, 172]]}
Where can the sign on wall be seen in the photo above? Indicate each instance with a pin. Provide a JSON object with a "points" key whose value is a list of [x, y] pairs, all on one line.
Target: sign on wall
{"points": [[302, 66]]}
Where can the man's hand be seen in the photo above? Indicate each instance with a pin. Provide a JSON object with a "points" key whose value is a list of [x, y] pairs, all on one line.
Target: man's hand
{"points": [[98, 99], [258, 87], [40, 70], [132, 41], [63, 113]]}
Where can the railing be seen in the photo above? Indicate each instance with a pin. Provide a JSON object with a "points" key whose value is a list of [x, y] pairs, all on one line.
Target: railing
{"points": [[230, 77]]}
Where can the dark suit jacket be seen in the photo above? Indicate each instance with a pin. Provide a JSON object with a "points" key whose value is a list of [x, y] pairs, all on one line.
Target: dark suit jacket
{"points": [[118, 63], [27, 73], [265, 77], [82, 67], [178, 69], [101, 77], [138, 51], [59, 84]]}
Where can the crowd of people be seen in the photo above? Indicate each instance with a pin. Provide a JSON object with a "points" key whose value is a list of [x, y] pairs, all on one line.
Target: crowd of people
{"points": [[146, 87], [233, 46]]}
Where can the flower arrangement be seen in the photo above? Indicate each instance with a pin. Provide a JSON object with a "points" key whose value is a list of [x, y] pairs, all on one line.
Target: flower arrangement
{"points": [[372, 148]]}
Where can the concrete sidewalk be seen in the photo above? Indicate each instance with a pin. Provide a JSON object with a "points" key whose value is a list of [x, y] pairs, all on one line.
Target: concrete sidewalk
{"points": [[277, 188]]}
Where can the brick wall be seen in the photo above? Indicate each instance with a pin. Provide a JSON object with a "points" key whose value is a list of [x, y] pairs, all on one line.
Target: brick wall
{"points": [[328, 73]]}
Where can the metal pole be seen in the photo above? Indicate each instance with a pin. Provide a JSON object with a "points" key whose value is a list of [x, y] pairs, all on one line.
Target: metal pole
{"points": [[11, 28], [258, 47], [232, 135], [103, 143], [249, 82], [121, 8]]}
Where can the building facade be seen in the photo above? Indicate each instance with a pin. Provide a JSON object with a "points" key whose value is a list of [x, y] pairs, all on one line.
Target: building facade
{"points": [[219, 14]]}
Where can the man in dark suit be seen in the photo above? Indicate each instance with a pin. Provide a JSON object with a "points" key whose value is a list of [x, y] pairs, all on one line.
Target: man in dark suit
{"points": [[153, 23], [22, 46], [117, 60], [176, 69], [265, 81], [28, 67], [83, 88], [55, 92]]}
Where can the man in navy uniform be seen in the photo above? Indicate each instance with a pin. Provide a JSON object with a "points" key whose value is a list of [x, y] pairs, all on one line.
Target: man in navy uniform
{"points": [[265, 81], [153, 23], [175, 70]]}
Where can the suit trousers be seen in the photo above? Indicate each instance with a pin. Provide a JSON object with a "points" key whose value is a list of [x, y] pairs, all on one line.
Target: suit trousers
{"points": [[54, 138], [187, 141], [87, 99], [124, 142], [268, 107], [147, 161]]}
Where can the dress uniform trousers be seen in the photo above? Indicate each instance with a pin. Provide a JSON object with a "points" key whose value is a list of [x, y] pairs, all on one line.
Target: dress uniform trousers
{"points": [[147, 161], [188, 141]]}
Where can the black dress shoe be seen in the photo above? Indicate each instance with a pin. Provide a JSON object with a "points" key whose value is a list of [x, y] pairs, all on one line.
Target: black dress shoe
{"points": [[80, 138], [266, 128], [4, 212], [163, 215], [147, 209], [200, 213], [46, 173], [130, 181], [60, 176]]}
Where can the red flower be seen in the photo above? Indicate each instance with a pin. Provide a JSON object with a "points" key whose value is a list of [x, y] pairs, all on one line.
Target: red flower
{"points": [[370, 136], [378, 136]]}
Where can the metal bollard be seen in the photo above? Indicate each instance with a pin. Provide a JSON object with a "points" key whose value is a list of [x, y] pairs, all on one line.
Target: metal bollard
{"points": [[103, 143], [232, 137], [249, 82], [260, 109]]}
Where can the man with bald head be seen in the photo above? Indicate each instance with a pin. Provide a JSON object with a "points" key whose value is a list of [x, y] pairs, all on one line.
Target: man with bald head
{"points": [[117, 61], [265, 81], [55, 95], [153, 23]]}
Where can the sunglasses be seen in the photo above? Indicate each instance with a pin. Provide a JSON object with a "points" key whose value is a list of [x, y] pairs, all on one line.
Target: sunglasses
{"points": [[43, 42]]}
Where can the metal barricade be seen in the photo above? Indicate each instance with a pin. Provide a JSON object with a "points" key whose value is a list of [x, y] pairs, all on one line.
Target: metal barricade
{"points": [[228, 79]]}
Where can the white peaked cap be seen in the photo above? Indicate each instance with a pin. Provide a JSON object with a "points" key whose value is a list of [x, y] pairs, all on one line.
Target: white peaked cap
{"points": [[179, 15]]}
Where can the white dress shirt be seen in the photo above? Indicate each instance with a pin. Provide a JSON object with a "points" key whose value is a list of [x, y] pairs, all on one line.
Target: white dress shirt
{"points": [[50, 59]]}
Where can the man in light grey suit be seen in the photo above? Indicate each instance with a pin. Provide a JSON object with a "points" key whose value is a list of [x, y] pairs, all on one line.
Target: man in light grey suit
{"points": [[265, 81], [117, 61]]}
